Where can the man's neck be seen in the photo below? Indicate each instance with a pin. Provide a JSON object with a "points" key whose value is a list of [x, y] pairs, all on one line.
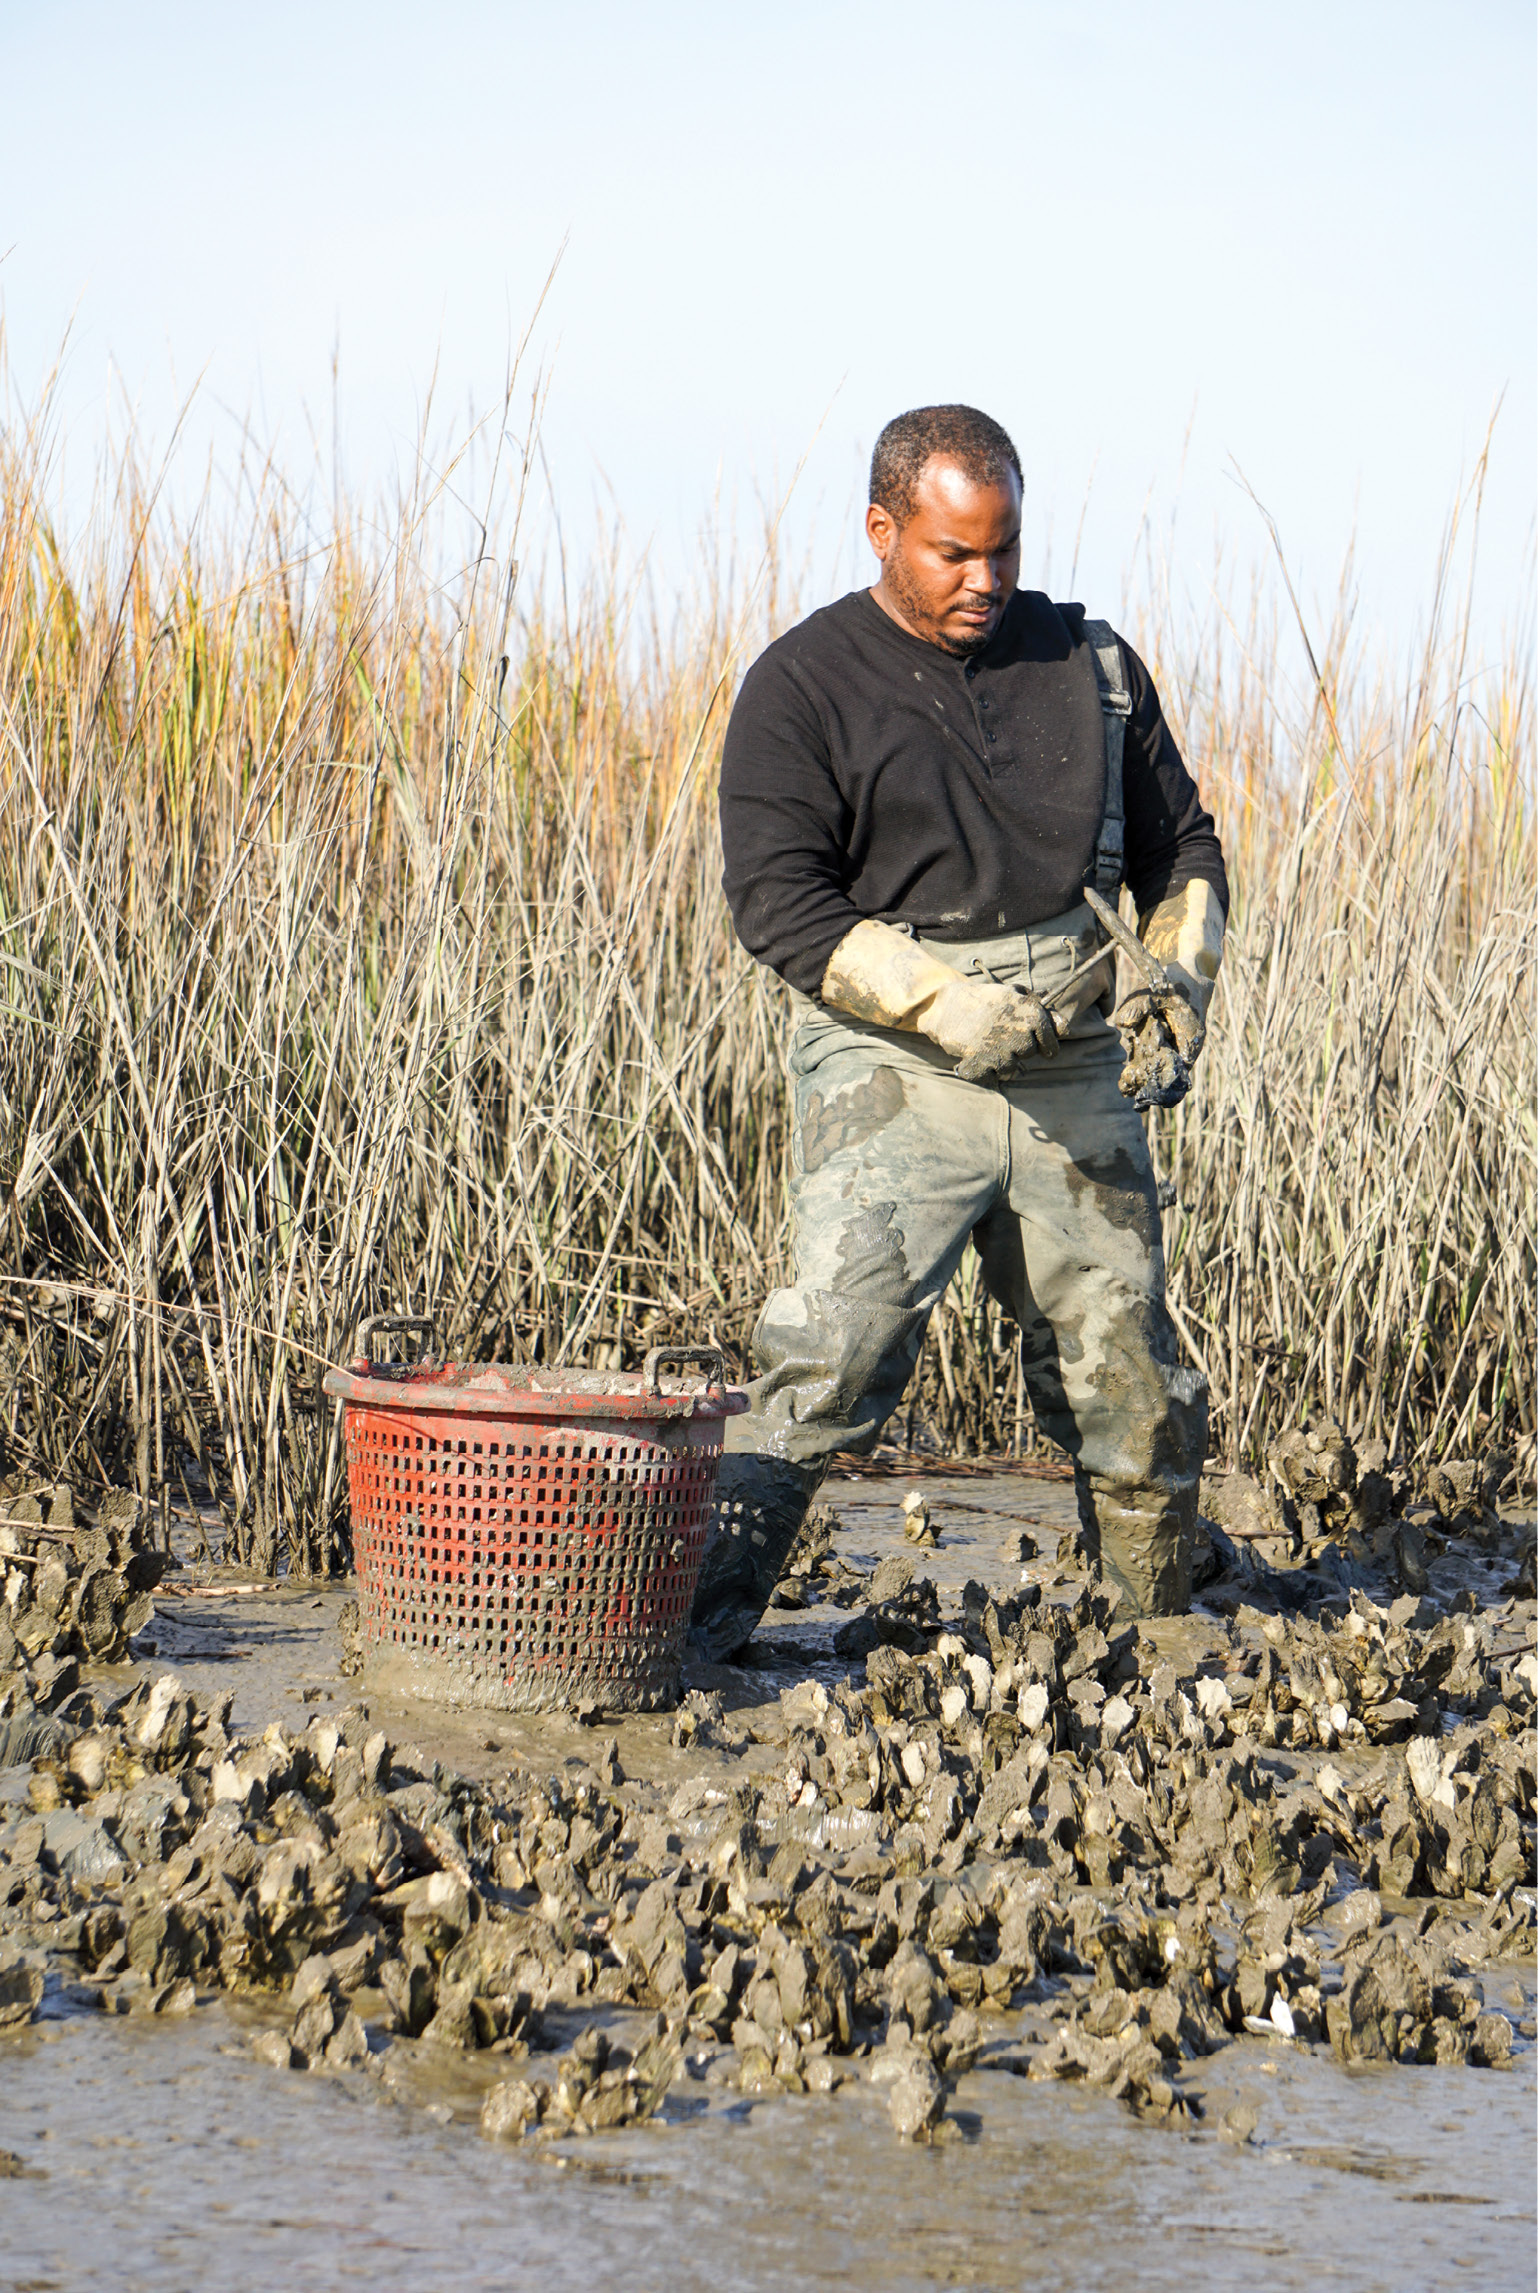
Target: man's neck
{"points": [[889, 607]]}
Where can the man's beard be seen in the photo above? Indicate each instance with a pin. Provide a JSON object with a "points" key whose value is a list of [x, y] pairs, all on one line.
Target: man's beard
{"points": [[911, 601], [964, 647]]}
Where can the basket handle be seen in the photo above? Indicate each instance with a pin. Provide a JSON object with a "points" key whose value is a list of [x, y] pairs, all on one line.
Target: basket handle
{"points": [[392, 1322], [708, 1358]]}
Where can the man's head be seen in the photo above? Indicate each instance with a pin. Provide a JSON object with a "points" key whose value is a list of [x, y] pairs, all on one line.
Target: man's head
{"points": [[944, 519]]}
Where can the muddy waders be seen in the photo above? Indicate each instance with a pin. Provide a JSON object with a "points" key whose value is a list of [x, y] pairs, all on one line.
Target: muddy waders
{"points": [[896, 1163]]}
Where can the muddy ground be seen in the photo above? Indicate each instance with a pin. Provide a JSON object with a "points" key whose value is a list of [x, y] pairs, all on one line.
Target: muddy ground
{"points": [[1005, 1946]]}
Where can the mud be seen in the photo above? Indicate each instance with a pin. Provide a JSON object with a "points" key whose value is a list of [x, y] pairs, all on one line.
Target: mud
{"points": [[1236, 1909], [164, 2156], [850, 1117], [1122, 1190]]}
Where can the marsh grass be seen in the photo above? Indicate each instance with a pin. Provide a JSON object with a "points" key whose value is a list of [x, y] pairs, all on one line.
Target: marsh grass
{"points": [[363, 947]]}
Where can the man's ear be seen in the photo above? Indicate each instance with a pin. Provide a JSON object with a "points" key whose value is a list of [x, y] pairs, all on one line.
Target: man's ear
{"points": [[880, 530]]}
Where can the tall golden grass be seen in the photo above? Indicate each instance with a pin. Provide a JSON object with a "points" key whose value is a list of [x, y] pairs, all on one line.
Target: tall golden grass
{"points": [[363, 947]]}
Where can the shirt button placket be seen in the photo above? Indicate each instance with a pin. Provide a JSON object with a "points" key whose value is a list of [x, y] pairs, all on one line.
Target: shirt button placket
{"points": [[982, 702]]}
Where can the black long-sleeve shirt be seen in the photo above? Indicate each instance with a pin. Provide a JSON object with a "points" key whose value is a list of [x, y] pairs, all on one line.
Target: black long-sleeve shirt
{"points": [[867, 773]]}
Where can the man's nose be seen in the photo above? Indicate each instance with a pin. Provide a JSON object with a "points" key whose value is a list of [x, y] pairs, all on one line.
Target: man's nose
{"points": [[985, 575]]}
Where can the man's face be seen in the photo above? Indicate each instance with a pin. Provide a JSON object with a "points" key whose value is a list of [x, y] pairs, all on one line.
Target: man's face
{"points": [[949, 572]]}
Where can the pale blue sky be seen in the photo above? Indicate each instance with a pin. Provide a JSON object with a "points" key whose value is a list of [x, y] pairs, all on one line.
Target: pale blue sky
{"points": [[1304, 235]]}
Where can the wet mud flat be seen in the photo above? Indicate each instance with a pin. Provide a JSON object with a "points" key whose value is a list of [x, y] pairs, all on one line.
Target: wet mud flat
{"points": [[163, 2156], [962, 1937]]}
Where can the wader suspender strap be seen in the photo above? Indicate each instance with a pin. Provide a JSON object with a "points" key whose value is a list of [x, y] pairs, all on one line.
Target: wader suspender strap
{"points": [[1116, 707]]}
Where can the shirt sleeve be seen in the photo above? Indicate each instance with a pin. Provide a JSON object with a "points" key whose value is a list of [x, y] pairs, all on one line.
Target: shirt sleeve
{"points": [[784, 828], [1171, 838]]}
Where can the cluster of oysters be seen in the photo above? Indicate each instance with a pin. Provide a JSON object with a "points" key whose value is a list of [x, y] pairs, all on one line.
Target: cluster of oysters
{"points": [[1028, 1842]]}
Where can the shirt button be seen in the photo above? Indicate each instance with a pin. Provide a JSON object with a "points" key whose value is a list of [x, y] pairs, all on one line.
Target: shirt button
{"points": [[970, 671], [993, 736]]}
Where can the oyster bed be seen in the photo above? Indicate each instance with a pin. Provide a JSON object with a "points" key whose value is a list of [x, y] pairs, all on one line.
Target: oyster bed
{"points": [[973, 1826]]}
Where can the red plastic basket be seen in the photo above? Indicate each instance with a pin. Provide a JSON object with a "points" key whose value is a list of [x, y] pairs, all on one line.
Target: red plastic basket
{"points": [[529, 1538]]}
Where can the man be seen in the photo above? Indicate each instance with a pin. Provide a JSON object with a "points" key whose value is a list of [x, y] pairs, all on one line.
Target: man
{"points": [[918, 783]]}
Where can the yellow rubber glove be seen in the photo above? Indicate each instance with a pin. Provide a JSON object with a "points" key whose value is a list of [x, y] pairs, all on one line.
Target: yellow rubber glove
{"points": [[877, 973]]}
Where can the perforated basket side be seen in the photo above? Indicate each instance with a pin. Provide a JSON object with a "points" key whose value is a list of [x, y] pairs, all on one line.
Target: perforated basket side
{"points": [[517, 1563]]}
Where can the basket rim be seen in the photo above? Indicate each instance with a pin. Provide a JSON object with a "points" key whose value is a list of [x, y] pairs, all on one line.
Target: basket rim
{"points": [[520, 1389]]}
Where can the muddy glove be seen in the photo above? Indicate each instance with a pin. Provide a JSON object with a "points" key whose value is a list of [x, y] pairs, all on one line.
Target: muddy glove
{"points": [[878, 974], [1163, 1033]]}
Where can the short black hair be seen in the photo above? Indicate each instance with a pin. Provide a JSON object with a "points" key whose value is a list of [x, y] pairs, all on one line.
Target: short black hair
{"points": [[961, 434]]}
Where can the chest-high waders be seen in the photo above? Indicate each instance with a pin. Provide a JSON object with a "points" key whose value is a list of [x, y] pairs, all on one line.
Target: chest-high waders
{"points": [[896, 1165]]}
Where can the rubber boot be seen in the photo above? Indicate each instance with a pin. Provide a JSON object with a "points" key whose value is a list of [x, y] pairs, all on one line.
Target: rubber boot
{"points": [[761, 1503], [1141, 1540]]}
